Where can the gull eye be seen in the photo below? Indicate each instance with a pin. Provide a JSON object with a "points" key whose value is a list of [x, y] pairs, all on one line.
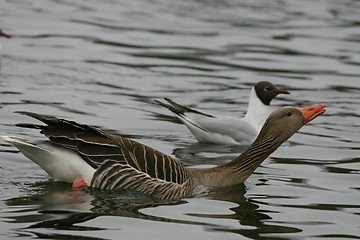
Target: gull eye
{"points": [[288, 114], [267, 88]]}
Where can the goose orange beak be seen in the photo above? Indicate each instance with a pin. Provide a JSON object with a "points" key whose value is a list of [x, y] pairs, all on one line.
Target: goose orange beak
{"points": [[312, 112]]}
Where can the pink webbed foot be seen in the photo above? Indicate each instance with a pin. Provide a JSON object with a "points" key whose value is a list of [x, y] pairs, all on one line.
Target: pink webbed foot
{"points": [[79, 183]]}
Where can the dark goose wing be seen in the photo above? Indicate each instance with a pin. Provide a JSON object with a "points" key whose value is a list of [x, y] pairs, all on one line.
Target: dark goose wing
{"points": [[116, 157]]}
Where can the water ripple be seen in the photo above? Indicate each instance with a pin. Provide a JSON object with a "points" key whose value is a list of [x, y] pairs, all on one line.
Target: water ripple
{"points": [[105, 63]]}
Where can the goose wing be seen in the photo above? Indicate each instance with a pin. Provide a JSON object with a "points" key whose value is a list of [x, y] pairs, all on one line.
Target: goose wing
{"points": [[97, 147], [113, 175]]}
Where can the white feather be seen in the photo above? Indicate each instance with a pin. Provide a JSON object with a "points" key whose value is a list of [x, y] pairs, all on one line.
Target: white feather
{"points": [[60, 163]]}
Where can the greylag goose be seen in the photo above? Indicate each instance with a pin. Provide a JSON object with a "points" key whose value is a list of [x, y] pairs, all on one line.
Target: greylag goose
{"points": [[229, 129], [85, 155]]}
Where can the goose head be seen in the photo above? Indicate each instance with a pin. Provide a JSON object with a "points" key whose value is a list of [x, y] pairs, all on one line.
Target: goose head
{"points": [[286, 121]]}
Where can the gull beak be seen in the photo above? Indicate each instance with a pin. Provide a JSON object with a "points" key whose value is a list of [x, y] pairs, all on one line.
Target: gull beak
{"points": [[4, 34], [283, 92]]}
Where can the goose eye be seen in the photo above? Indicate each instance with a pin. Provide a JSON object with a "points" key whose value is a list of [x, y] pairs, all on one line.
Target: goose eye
{"points": [[267, 88], [289, 114]]}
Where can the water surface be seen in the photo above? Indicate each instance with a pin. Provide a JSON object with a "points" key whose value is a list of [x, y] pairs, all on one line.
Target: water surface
{"points": [[104, 62]]}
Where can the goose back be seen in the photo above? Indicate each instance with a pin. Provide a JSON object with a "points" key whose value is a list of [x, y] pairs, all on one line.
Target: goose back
{"points": [[97, 147]]}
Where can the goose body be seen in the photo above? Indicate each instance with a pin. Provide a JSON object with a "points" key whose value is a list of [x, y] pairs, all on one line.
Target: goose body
{"points": [[229, 129], [108, 161]]}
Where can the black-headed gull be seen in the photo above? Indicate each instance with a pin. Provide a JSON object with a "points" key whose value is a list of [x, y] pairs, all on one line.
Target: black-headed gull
{"points": [[229, 129]]}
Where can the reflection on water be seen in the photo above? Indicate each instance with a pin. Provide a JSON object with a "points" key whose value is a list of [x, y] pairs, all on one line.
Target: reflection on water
{"points": [[57, 207], [104, 63]]}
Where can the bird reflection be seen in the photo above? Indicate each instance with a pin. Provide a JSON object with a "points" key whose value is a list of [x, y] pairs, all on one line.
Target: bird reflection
{"points": [[248, 213], [52, 205], [55, 206]]}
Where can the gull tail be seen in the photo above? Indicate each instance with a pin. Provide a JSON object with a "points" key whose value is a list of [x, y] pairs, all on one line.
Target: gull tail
{"points": [[179, 109]]}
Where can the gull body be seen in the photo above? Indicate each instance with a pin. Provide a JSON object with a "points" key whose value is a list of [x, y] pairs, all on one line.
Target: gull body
{"points": [[229, 129]]}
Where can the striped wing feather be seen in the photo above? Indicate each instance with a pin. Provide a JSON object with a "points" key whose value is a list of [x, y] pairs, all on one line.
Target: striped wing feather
{"points": [[152, 162], [113, 175], [93, 147]]}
